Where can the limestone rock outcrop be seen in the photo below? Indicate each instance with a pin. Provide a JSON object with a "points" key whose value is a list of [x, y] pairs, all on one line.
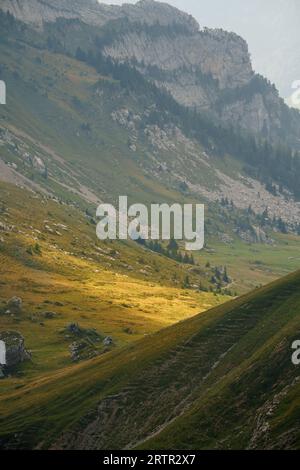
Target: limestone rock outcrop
{"points": [[12, 349]]}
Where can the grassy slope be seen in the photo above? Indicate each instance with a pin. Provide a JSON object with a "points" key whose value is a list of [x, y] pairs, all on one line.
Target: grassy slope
{"points": [[120, 289], [227, 372], [50, 104], [113, 294], [46, 90], [258, 264]]}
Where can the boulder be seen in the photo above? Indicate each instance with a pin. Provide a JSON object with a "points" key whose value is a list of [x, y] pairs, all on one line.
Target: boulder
{"points": [[108, 341], [12, 349], [76, 349], [85, 341], [82, 350], [15, 305]]}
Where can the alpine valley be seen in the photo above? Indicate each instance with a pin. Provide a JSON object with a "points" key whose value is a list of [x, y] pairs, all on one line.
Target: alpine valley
{"points": [[138, 345]]}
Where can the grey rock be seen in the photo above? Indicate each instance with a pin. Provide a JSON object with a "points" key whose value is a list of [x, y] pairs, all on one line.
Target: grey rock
{"points": [[108, 341], [75, 349], [13, 350], [82, 350], [15, 305]]}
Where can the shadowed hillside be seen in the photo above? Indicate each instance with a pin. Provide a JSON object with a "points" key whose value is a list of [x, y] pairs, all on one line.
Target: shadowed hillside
{"points": [[223, 379]]}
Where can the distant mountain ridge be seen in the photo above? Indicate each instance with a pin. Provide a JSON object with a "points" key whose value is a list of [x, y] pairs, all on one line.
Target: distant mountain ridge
{"points": [[209, 70], [38, 12]]}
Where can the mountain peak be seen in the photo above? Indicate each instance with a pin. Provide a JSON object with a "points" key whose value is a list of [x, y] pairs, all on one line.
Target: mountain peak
{"points": [[151, 11], [37, 12]]}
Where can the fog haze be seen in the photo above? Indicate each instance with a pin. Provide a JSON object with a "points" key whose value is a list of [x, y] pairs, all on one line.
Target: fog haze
{"points": [[271, 28]]}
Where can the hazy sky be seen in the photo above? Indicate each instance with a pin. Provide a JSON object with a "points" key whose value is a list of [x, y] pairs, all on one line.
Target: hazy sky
{"points": [[271, 28]]}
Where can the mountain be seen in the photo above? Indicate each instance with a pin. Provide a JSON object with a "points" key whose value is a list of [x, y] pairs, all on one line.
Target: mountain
{"points": [[271, 30], [209, 70], [89, 118], [223, 379], [38, 12], [82, 127]]}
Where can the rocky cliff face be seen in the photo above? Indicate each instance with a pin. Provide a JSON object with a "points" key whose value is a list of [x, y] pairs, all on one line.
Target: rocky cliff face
{"points": [[209, 70], [188, 64], [37, 12]]}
